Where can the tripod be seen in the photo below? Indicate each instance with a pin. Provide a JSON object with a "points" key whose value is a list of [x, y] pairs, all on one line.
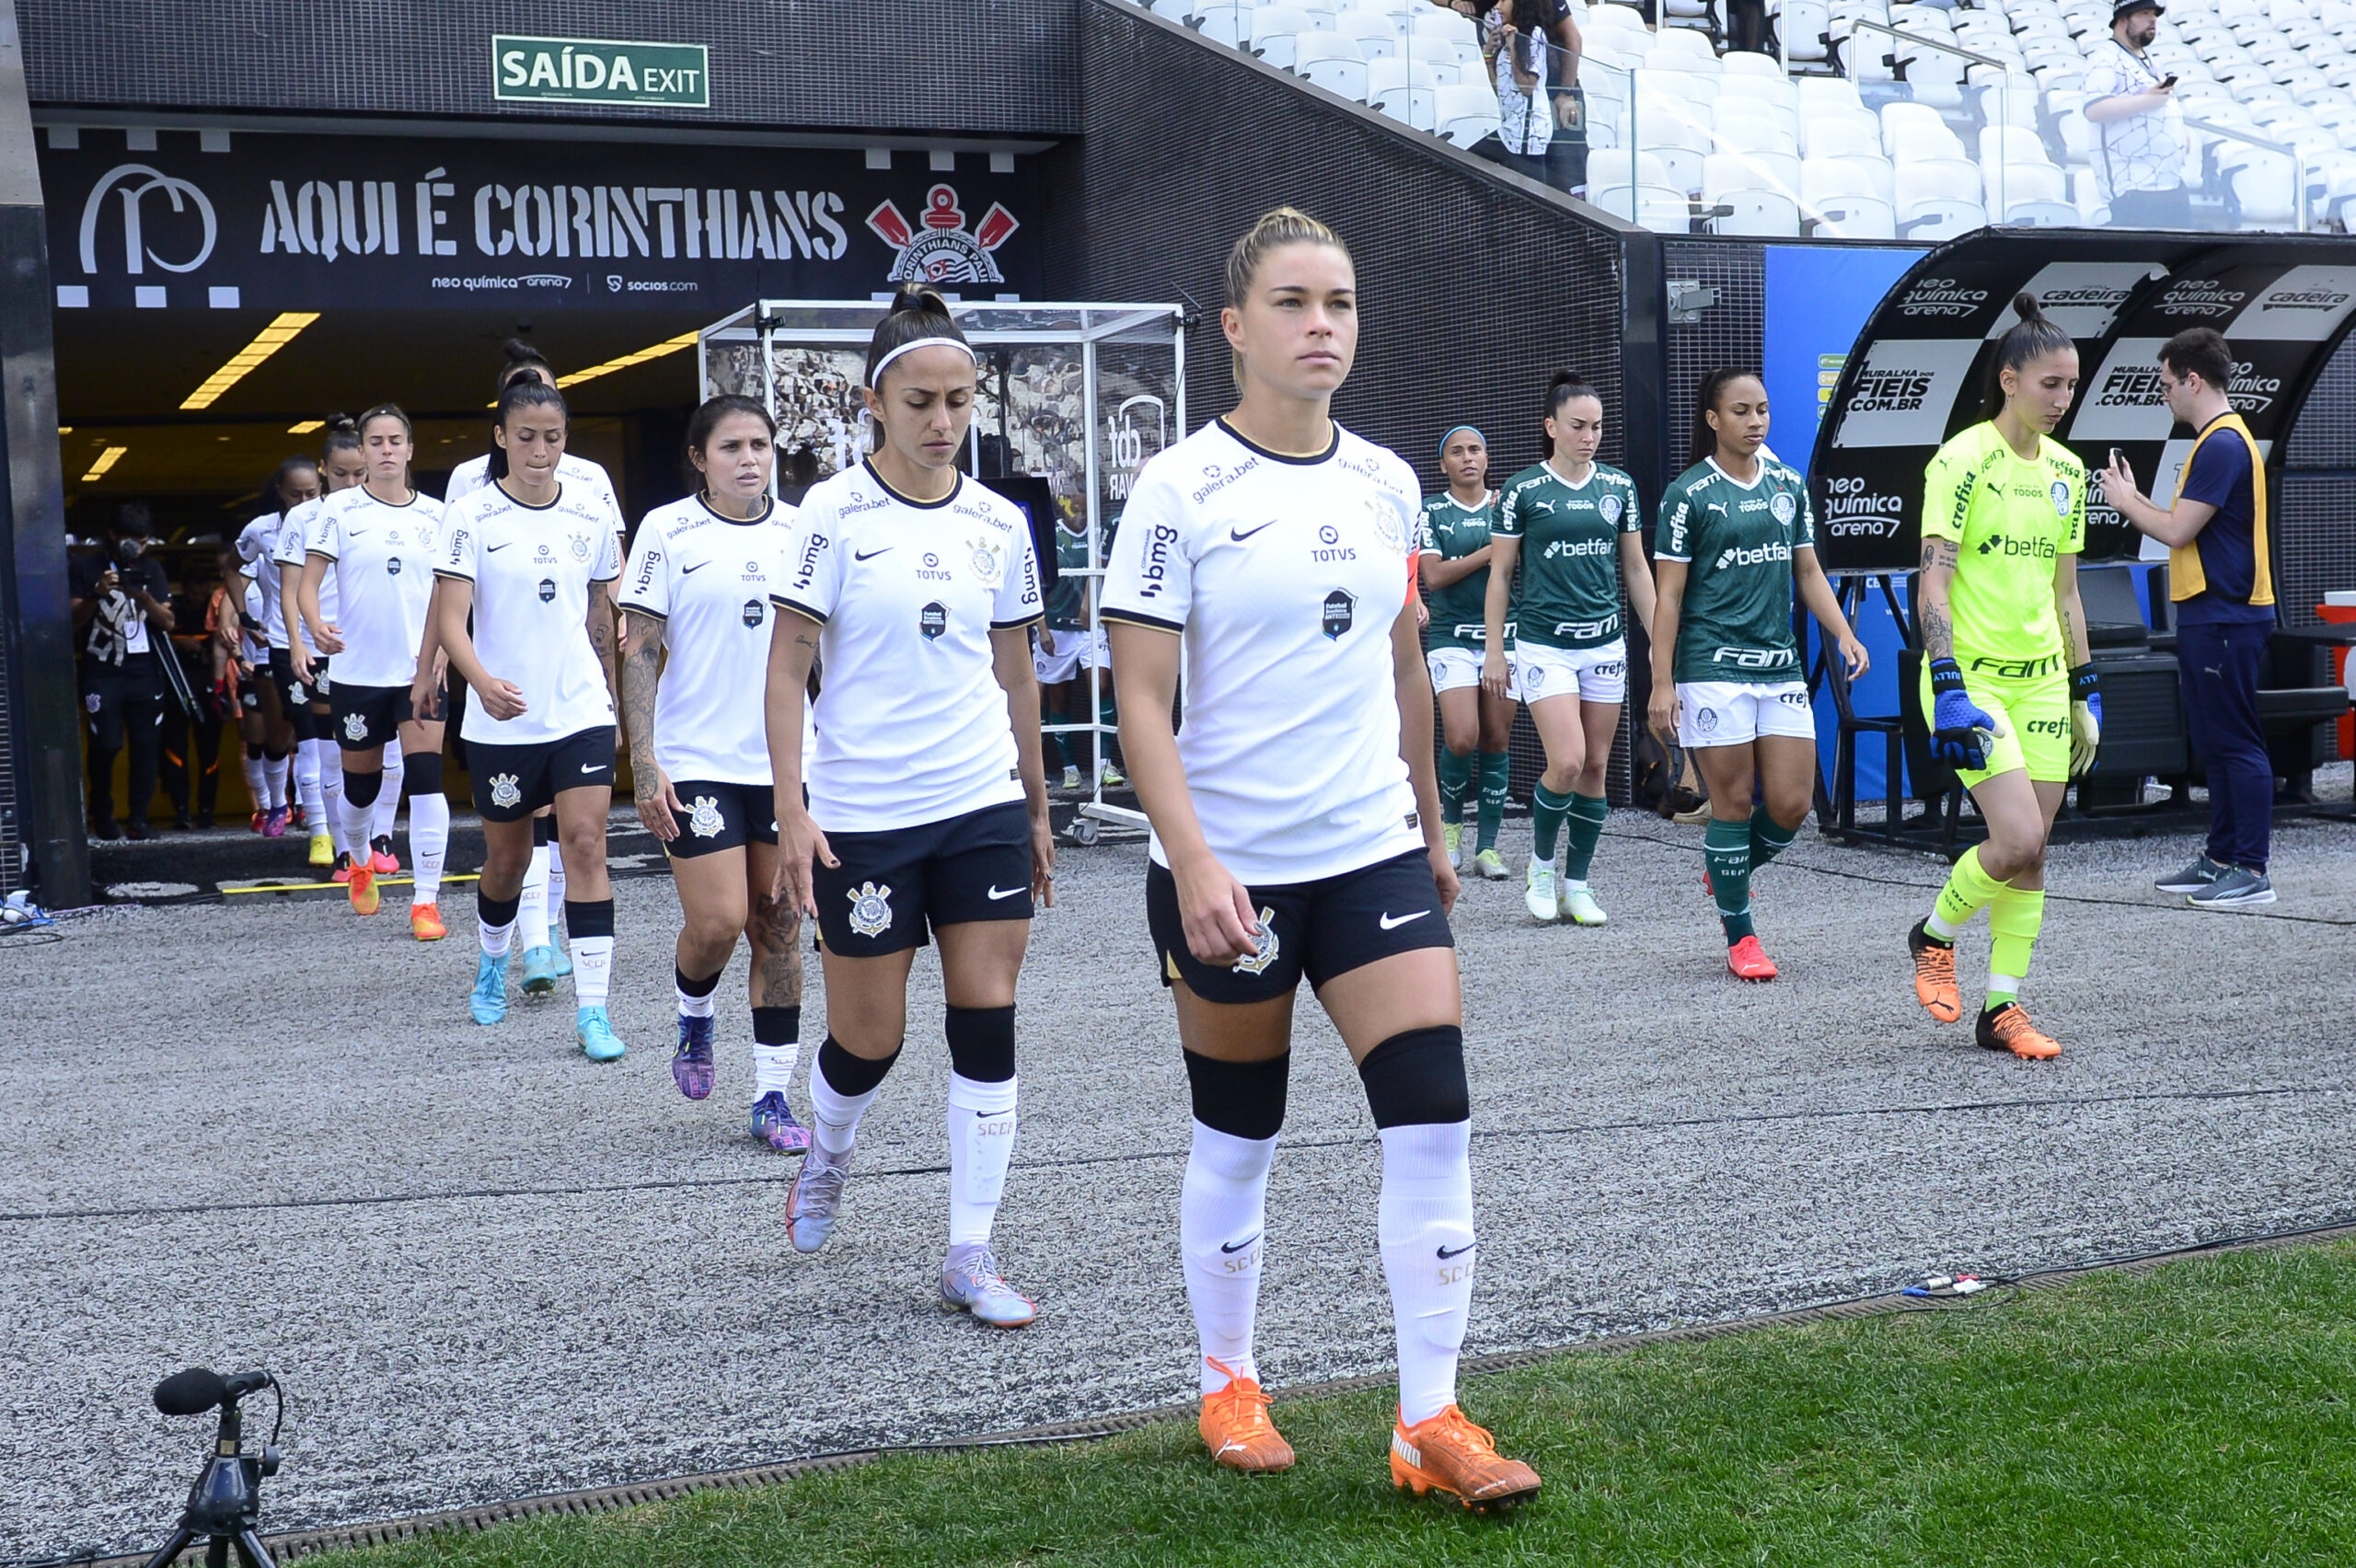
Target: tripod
{"points": [[226, 1502]]}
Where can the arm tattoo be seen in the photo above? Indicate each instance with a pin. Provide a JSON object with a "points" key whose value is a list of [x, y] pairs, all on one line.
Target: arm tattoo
{"points": [[777, 962], [1938, 623], [641, 656]]}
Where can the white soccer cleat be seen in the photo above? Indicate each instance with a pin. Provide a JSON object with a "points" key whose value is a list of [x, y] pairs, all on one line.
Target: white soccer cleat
{"points": [[1577, 904], [1538, 894]]}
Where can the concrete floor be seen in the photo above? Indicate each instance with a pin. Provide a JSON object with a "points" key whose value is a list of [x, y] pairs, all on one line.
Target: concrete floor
{"points": [[485, 1268]]}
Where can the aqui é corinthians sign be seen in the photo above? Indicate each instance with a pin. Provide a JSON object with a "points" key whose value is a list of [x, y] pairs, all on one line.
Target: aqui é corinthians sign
{"points": [[596, 70]]}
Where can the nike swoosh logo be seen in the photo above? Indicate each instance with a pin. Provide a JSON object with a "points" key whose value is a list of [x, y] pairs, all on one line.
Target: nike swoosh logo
{"points": [[1238, 1246], [1447, 1253], [996, 891], [594, 767], [870, 555], [1240, 534], [495, 549], [691, 570], [1392, 923]]}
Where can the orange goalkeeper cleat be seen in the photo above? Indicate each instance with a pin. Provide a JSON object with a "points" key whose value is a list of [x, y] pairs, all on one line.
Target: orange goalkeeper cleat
{"points": [[425, 923], [1749, 960], [363, 888], [1934, 984], [1449, 1454], [1236, 1428], [2008, 1029]]}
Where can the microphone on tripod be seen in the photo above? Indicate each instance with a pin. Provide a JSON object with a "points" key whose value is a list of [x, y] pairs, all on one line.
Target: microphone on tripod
{"points": [[198, 1389], [225, 1506]]}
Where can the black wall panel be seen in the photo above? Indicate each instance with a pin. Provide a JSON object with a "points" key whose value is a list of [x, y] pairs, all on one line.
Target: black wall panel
{"points": [[913, 66]]}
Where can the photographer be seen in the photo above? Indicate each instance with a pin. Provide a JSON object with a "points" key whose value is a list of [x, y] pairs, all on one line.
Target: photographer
{"points": [[121, 597]]}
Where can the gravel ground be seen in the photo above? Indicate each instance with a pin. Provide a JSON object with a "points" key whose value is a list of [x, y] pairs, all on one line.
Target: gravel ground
{"points": [[268, 1135]]}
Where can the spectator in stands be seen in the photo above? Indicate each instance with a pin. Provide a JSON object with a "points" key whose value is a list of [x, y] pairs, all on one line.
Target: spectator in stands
{"points": [[2133, 110], [1524, 34], [2222, 581], [123, 613]]}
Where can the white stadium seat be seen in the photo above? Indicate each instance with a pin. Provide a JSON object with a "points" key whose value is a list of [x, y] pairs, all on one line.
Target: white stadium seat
{"points": [[1331, 61], [1941, 218], [1464, 113], [1273, 27], [1376, 32], [1743, 62], [1855, 217]]}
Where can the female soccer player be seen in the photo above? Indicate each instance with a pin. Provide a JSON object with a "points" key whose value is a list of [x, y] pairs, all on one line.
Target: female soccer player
{"points": [[2007, 679], [545, 958], [376, 543], [286, 723], [318, 769], [1736, 537], [533, 561], [1454, 556], [928, 801], [1579, 523], [700, 580], [1270, 546]]}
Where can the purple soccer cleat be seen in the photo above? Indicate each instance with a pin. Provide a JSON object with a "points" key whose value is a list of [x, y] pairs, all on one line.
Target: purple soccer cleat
{"points": [[774, 1123], [691, 1062]]}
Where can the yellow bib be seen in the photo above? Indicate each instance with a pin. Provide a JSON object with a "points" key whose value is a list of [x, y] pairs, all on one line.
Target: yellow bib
{"points": [[2186, 575]]}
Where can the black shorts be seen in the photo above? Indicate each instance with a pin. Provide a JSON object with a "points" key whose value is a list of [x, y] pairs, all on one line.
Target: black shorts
{"points": [[366, 716], [1319, 928], [893, 887], [298, 694], [723, 817], [512, 782]]}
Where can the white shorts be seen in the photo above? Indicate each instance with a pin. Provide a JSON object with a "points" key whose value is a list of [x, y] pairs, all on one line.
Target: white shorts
{"points": [[1735, 713], [1594, 675], [1455, 668], [1076, 649]]}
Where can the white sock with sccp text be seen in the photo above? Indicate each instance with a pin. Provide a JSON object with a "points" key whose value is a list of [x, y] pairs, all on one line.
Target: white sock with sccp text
{"points": [[1222, 1218], [1424, 1223], [981, 1144], [389, 798], [429, 841]]}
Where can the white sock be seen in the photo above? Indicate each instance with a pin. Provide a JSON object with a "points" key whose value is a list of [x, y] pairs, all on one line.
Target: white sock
{"points": [[697, 1007], [1222, 1212], [1942, 929], [773, 1068], [256, 790], [532, 907], [593, 968], [981, 1144], [327, 759], [2004, 985], [307, 789], [556, 888], [429, 839], [1425, 1222], [496, 938], [833, 1116], [274, 774], [355, 816], [389, 798]]}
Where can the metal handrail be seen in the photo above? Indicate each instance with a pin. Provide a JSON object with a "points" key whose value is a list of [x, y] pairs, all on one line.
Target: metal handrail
{"points": [[1857, 27]]}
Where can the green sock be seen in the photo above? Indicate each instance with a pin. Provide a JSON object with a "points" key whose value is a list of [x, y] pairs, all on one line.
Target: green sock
{"points": [[1587, 812], [1967, 892], [1769, 838], [1455, 776], [1496, 770], [1725, 850], [1546, 813], [2015, 917], [1058, 760]]}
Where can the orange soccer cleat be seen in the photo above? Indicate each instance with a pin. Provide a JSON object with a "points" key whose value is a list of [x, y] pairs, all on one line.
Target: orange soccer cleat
{"points": [[425, 923], [2007, 1028], [1448, 1454], [363, 888], [1236, 1428], [1749, 960], [1934, 984]]}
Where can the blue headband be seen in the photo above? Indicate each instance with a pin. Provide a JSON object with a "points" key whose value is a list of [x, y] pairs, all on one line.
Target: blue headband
{"points": [[1453, 430]]}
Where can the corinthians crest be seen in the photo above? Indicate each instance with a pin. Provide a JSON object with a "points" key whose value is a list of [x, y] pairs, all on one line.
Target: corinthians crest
{"points": [[988, 563], [355, 726], [504, 795], [1259, 958], [871, 909], [704, 820], [943, 252]]}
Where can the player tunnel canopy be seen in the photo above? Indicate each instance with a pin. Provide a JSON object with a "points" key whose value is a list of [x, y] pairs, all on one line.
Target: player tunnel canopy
{"points": [[1918, 372]]}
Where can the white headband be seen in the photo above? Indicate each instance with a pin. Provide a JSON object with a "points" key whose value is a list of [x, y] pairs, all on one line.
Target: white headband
{"points": [[910, 347]]}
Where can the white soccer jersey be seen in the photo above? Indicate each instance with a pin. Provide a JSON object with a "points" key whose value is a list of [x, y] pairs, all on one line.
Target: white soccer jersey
{"points": [[257, 550], [1285, 575], [532, 568], [912, 724], [381, 561], [709, 578], [292, 550], [254, 650], [475, 473]]}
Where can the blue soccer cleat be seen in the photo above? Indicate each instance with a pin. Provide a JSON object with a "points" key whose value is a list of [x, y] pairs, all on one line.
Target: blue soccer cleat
{"points": [[970, 1282], [775, 1125], [540, 971], [488, 1001], [595, 1032], [563, 950], [691, 1062], [816, 1198]]}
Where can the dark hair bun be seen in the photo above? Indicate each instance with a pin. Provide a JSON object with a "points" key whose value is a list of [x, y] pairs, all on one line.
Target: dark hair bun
{"points": [[518, 352], [2025, 306], [342, 424], [921, 297]]}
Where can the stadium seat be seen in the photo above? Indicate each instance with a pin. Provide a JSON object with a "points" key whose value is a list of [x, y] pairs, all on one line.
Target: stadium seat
{"points": [[1174, 10], [1273, 28], [1743, 63], [1855, 217], [2043, 215], [1806, 27], [1743, 124], [1823, 179], [1942, 219], [1464, 113], [1828, 93], [1403, 89], [2262, 185], [1911, 130], [1728, 171], [1698, 18], [1837, 134], [1374, 33], [1223, 21], [1333, 63], [1937, 180], [1658, 208], [1684, 43]]}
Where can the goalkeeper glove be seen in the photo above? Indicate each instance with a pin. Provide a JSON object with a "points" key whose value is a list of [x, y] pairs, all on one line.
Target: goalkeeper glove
{"points": [[2086, 718], [1960, 728]]}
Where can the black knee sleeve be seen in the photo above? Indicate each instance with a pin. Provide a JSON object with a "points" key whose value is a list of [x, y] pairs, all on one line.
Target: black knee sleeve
{"points": [[361, 789], [422, 775], [981, 1043], [540, 834], [594, 919], [253, 752], [298, 719], [270, 756], [1418, 1076], [496, 911], [703, 988], [1243, 1100], [851, 1076], [777, 1026]]}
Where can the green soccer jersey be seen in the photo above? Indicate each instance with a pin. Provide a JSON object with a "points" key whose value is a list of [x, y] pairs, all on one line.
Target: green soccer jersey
{"points": [[1451, 531], [2010, 520], [1570, 552], [1066, 599], [1737, 539]]}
